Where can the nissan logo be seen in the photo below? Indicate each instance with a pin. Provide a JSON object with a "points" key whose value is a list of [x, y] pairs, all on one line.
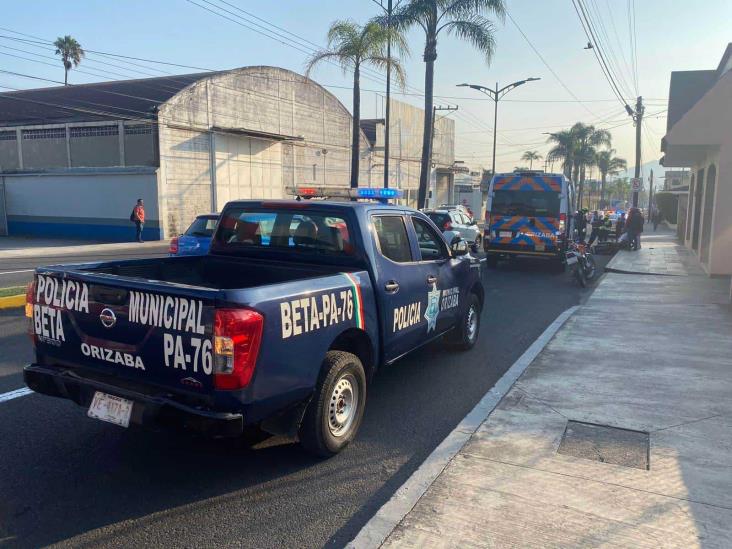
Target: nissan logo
{"points": [[108, 318]]}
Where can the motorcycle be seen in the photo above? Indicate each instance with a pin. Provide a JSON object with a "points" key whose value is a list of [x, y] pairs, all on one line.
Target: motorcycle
{"points": [[579, 258]]}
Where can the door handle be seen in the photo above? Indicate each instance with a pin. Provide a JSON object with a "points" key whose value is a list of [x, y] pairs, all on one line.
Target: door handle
{"points": [[392, 286], [431, 279]]}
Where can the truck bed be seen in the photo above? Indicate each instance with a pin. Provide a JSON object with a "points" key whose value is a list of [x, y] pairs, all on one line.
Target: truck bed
{"points": [[212, 271]]}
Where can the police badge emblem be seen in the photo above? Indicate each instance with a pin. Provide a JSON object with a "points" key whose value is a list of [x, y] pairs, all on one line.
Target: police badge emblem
{"points": [[433, 307]]}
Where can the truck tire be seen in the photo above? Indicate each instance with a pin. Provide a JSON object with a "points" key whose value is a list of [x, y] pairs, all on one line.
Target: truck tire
{"points": [[334, 414], [466, 333]]}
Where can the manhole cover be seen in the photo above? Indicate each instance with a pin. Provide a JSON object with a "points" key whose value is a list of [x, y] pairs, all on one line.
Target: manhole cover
{"points": [[606, 444]]}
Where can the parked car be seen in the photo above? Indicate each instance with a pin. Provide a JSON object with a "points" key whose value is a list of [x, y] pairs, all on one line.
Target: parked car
{"points": [[457, 221], [280, 326], [197, 238], [459, 207]]}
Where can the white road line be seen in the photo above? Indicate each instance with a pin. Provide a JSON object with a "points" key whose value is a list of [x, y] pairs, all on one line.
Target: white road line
{"points": [[377, 529], [16, 272], [15, 394]]}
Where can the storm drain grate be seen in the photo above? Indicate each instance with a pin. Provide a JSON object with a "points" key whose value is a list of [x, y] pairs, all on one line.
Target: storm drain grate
{"points": [[606, 444]]}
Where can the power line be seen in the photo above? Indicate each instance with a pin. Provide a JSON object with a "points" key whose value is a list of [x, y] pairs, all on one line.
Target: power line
{"points": [[546, 64], [596, 49]]}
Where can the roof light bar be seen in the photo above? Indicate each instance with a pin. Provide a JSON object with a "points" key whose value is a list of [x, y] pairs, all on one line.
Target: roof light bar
{"points": [[310, 191]]}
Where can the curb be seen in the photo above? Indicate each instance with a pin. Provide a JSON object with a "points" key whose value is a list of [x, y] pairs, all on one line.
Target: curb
{"points": [[12, 301], [381, 525]]}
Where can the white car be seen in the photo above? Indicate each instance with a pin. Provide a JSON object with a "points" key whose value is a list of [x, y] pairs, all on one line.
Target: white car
{"points": [[457, 221]]}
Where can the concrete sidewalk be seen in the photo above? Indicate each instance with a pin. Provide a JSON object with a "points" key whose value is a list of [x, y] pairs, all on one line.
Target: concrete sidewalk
{"points": [[19, 247], [645, 369]]}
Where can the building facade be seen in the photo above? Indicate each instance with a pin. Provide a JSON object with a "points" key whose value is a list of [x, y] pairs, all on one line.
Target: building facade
{"points": [[73, 160], [699, 138]]}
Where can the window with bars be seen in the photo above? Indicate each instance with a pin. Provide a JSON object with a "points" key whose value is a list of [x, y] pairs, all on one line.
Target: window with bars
{"points": [[8, 136], [138, 129], [46, 133], [94, 131]]}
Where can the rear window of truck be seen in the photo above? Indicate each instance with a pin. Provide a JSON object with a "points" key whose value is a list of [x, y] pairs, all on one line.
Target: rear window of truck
{"points": [[526, 203], [284, 229]]}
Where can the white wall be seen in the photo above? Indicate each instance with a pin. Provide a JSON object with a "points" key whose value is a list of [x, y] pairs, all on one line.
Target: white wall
{"points": [[80, 203]]}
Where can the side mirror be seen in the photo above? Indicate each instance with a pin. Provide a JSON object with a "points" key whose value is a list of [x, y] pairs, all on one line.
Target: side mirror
{"points": [[459, 247]]}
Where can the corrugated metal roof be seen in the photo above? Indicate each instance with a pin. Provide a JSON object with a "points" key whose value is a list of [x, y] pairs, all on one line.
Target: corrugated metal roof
{"points": [[119, 99]]}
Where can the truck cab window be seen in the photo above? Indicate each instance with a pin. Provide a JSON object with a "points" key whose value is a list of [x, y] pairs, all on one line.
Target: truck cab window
{"points": [[431, 245], [392, 238]]}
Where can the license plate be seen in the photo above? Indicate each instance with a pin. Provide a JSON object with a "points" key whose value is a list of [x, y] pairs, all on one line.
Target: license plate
{"points": [[540, 247], [505, 234], [571, 260], [111, 408]]}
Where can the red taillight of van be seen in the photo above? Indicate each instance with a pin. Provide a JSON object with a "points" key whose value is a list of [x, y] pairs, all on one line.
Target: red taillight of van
{"points": [[173, 249], [237, 336], [447, 226]]}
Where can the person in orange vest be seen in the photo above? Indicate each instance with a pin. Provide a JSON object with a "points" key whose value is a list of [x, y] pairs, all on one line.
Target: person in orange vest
{"points": [[138, 217]]}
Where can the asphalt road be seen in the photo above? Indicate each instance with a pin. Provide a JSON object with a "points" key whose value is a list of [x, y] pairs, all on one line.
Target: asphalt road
{"points": [[71, 480]]}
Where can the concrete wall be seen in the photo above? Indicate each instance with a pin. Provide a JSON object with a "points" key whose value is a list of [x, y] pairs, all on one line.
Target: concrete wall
{"points": [[310, 143], [86, 204], [405, 151], [82, 145], [93, 146], [9, 150], [44, 148], [140, 144]]}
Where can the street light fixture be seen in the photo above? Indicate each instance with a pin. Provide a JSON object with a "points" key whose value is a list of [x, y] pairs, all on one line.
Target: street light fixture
{"points": [[496, 94]]}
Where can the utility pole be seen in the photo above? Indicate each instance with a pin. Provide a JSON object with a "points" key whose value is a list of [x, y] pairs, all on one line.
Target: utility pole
{"points": [[436, 108], [638, 118], [650, 198], [388, 96]]}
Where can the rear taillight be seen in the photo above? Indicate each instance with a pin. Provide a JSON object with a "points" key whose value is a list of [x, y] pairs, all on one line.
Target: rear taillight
{"points": [[562, 222], [173, 245], [237, 335], [30, 299], [447, 226]]}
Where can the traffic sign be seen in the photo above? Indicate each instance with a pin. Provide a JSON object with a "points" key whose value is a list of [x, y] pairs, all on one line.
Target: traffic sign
{"points": [[636, 184]]}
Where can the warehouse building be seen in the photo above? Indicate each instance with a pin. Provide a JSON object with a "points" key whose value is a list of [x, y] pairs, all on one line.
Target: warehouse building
{"points": [[73, 160]]}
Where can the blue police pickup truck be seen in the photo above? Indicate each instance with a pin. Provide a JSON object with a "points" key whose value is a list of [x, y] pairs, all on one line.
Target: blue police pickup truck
{"points": [[278, 328]]}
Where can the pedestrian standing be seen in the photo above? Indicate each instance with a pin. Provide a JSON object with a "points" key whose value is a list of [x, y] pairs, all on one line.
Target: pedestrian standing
{"points": [[635, 224], [138, 218], [580, 221], [595, 223]]}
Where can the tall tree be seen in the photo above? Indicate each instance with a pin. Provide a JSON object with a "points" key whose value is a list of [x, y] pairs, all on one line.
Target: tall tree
{"points": [[71, 54], [466, 20], [352, 46], [530, 156], [564, 147], [586, 138], [608, 164]]}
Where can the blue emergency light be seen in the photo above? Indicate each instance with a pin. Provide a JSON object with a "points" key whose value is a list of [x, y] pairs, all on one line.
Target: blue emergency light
{"points": [[310, 191]]}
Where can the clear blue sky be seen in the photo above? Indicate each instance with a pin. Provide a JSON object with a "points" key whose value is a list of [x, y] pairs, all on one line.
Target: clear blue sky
{"points": [[671, 35]]}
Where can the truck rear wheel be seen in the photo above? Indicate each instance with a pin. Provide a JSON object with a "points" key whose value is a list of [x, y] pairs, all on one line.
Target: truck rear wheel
{"points": [[334, 414]]}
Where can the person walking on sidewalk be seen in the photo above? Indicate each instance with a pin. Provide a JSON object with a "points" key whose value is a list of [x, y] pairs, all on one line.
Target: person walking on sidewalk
{"points": [[138, 218], [620, 226], [656, 218], [635, 224]]}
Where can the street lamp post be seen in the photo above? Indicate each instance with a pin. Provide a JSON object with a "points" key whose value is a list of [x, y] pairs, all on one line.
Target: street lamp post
{"points": [[496, 94]]}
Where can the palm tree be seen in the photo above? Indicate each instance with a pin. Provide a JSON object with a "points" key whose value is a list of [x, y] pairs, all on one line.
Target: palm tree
{"points": [[608, 164], [352, 46], [465, 19], [71, 54], [563, 149], [587, 139], [531, 156]]}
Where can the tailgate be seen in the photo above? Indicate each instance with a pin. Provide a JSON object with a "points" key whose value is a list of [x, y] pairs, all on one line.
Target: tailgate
{"points": [[537, 233], [145, 331]]}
